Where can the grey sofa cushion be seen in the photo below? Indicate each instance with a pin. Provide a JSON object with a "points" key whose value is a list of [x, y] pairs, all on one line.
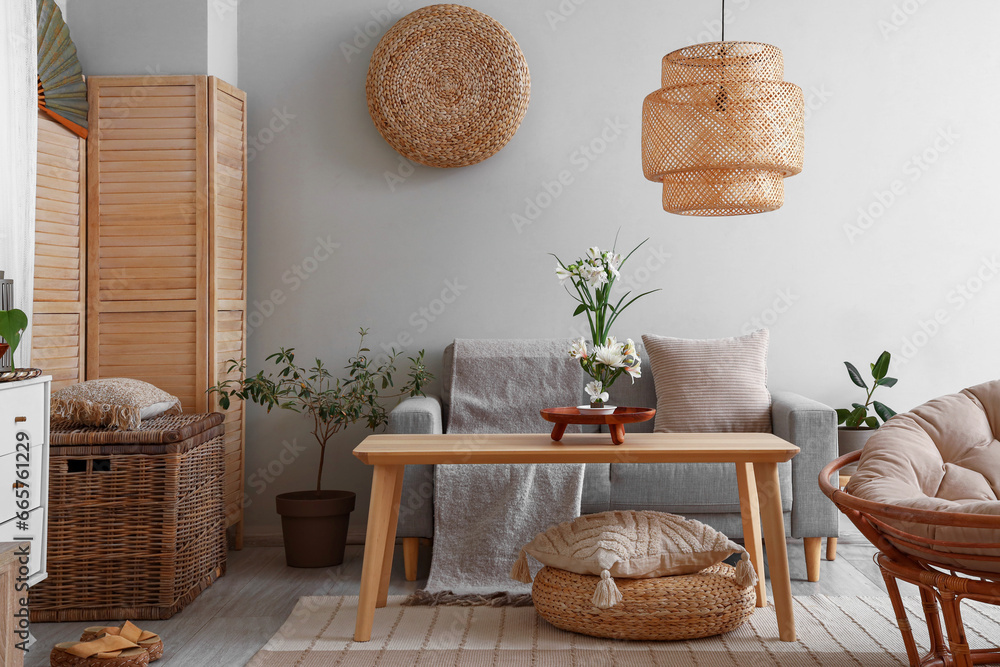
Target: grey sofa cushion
{"points": [[684, 488], [596, 488]]}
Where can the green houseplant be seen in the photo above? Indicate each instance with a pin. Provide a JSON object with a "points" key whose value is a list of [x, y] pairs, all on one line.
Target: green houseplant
{"points": [[314, 522], [592, 278], [856, 424], [13, 323]]}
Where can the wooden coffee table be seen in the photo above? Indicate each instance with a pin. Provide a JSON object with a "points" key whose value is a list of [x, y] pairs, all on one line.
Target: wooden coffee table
{"points": [[755, 455]]}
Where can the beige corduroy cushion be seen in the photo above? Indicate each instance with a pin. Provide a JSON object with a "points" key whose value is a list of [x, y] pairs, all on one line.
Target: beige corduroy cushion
{"points": [[710, 386], [941, 456], [120, 403], [633, 545]]}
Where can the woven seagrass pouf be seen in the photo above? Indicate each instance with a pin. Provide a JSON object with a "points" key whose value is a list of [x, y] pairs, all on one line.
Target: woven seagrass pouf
{"points": [[447, 86], [685, 606]]}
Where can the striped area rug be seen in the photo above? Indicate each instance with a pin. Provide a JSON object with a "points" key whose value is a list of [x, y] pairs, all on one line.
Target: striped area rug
{"points": [[832, 631]]}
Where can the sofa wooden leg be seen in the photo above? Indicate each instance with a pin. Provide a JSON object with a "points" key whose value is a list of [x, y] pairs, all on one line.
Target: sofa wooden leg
{"points": [[813, 548], [411, 554], [831, 548]]}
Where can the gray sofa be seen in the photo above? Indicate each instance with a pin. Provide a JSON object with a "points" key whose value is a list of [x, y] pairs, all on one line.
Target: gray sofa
{"points": [[703, 491]]}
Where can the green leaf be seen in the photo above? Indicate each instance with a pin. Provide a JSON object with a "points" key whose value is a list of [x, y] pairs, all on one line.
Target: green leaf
{"points": [[842, 415], [881, 366], [856, 406], [855, 375], [580, 309], [12, 325], [884, 411], [856, 417], [871, 422], [887, 382]]}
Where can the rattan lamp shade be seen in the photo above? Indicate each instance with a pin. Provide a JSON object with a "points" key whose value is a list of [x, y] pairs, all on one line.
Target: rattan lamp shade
{"points": [[447, 86], [724, 130]]}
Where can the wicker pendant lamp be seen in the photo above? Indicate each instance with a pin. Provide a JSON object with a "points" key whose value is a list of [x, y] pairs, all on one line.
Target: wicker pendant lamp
{"points": [[724, 130]]}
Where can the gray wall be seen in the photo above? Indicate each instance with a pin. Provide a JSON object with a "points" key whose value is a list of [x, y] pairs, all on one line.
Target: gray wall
{"points": [[121, 37], [884, 88], [900, 125]]}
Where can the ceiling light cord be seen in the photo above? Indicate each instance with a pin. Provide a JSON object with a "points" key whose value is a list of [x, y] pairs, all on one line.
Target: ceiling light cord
{"points": [[723, 21]]}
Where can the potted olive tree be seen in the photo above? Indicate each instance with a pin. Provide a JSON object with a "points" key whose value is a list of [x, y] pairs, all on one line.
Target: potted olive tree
{"points": [[856, 424], [314, 523]]}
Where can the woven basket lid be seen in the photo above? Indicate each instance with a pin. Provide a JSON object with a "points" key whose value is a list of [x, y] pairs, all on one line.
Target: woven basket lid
{"points": [[447, 86]]}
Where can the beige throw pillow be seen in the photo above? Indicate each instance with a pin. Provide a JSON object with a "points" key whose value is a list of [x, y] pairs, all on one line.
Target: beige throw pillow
{"points": [[710, 386], [633, 545], [115, 402]]}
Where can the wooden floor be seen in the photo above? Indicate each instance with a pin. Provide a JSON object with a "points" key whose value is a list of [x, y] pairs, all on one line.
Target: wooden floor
{"points": [[230, 621]]}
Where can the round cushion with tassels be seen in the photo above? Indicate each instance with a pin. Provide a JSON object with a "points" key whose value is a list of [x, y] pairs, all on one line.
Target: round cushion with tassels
{"points": [[685, 606]]}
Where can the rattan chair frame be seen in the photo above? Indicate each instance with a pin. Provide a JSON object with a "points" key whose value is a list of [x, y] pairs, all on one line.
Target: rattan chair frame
{"points": [[942, 585]]}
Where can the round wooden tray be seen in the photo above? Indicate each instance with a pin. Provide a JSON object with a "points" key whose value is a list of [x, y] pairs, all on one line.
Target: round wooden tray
{"points": [[562, 417]]}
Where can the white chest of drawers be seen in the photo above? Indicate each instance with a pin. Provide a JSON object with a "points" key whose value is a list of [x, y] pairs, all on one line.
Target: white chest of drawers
{"points": [[24, 467]]}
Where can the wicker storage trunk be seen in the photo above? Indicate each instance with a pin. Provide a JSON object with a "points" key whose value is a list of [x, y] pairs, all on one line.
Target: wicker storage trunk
{"points": [[137, 525]]}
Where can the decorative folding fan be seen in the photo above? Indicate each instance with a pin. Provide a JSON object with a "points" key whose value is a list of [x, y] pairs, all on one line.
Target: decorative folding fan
{"points": [[62, 92]]}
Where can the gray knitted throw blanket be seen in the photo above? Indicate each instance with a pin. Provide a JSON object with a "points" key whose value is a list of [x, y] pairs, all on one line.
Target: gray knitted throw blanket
{"points": [[483, 514]]}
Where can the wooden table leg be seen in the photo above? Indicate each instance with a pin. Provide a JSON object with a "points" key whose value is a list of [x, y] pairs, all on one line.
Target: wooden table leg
{"points": [[617, 433], [558, 431], [390, 540], [385, 480], [750, 512], [773, 526]]}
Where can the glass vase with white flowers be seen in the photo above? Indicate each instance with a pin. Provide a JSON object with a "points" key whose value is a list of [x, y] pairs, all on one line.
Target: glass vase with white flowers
{"points": [[592, 278]]}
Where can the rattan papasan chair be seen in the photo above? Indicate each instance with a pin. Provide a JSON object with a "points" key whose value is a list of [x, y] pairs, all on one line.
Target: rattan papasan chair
{"points": [[926, 494]]}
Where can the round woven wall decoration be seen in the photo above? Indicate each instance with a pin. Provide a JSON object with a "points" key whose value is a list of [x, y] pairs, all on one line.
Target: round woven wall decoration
{"points": [[724, 130], [447, 86]]}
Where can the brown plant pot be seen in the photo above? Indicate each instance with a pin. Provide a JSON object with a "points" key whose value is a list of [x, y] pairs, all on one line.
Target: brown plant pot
{"points": [[314, 526]]}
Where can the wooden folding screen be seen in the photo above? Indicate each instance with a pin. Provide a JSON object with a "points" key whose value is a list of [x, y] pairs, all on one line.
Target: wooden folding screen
{"points": [[166, 221], [60, 295]]}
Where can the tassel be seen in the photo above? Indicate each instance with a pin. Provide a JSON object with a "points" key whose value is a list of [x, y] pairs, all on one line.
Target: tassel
{"points": [[520, 571], [745, 574], [607, 594]]}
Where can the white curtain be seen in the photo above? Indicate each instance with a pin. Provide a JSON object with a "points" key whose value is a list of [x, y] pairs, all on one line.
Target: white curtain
{"points": [[18, 146]]}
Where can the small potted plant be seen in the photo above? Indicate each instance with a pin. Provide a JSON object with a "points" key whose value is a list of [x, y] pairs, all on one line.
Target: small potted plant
{"points": [[12, 324], [592, 278], [314, 523], [856, 424]]}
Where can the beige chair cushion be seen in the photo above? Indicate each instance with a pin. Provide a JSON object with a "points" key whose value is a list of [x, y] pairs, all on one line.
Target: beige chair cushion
{"points": [[631, 544], [120, 403], [942, 456], [710, 386]]}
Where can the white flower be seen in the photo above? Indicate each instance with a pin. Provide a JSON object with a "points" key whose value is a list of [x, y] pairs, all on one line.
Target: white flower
{"points": [[578, 350], [595, 276], [613, 270], [634, 371], [594, 253], [629, 348], [562, 273], [611, 341], [615, 261], [596, 391], [610, 356]]}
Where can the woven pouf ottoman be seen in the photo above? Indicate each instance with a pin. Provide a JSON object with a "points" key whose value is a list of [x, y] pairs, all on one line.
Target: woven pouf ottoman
{"points": [[680, 607]]}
